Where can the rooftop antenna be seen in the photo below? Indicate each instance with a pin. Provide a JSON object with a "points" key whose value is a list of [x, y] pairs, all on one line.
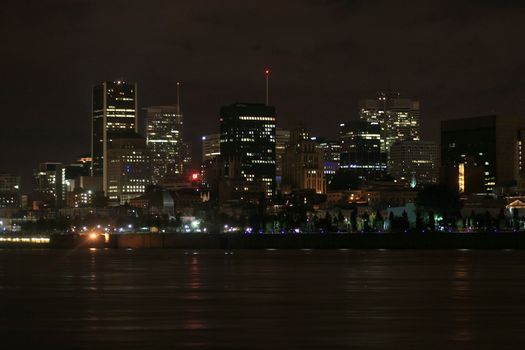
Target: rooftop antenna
{"points": [[267, 75], [178, 96]]}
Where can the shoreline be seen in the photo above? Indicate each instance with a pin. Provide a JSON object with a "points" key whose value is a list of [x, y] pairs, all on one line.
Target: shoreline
{"points": [[398, 240]]}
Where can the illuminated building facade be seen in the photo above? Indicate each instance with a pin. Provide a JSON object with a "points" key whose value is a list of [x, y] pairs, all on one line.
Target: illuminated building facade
{"points": [[361, 151], [414, 163], [303, 163], [114, 111], [248, 137], [397, 117], [129, 169], [489, 142], [164, 132]]}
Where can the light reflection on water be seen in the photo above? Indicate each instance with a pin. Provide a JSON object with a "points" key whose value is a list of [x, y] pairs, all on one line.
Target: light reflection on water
{"points": [[308, 299]]}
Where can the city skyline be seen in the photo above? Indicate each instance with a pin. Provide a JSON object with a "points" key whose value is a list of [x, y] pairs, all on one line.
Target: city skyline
{"points": [[300, 174], [459, 58]]}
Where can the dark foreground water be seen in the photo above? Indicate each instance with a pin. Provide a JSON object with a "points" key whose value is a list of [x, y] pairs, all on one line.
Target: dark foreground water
{"points": [[170, 299]]}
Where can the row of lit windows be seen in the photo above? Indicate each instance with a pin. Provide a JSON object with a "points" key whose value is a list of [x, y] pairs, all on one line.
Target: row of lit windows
{"points": [[257, 118], [260, 161]]}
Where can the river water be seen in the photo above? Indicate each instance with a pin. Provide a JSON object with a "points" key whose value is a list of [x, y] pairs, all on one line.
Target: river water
{"points": [[262, 299]]}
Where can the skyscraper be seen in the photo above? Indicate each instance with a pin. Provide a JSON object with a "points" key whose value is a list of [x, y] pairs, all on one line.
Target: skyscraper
{"points": [[491, 142], [164, 132], [129, 169], [414, 163], [114, 111], [361, 151], [248, 137], [398, 117]]}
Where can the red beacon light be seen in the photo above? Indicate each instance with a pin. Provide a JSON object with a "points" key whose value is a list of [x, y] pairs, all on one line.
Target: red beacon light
{"points": [[194, 176]]}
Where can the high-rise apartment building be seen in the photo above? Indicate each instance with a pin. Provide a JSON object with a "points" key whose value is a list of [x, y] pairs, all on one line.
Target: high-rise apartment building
{"points": [[164, 132], [398, 118], [303, 163], [114, 111], [361, 151], [248, 140], [414, 163]]}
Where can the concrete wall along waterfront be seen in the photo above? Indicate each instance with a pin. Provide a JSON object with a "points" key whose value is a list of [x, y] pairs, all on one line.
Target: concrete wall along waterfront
{"points": [[413, 240]]}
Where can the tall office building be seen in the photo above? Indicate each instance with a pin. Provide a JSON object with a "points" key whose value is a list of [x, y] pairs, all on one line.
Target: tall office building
{"points": [[303, 163], [114, 111], [398, 118], [211, 146], [414, 163], [491, 142], [129, 169], [164, 132], [361, 151], [248, 141]]}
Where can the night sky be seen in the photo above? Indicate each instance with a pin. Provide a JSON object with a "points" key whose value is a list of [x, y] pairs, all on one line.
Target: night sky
{"points": [[458, 57]]}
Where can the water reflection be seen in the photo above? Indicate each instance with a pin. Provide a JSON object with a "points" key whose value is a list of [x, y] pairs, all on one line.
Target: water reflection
{"points": [[461, 292], [315, 299]]}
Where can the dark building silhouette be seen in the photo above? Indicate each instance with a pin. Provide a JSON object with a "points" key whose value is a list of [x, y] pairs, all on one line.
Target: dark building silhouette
{"points": [[9, 190], [491, 142], [48, 183]]}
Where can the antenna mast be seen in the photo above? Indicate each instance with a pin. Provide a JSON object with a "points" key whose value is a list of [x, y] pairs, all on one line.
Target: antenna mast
{"points": [[178, 97], [267, 75]]}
